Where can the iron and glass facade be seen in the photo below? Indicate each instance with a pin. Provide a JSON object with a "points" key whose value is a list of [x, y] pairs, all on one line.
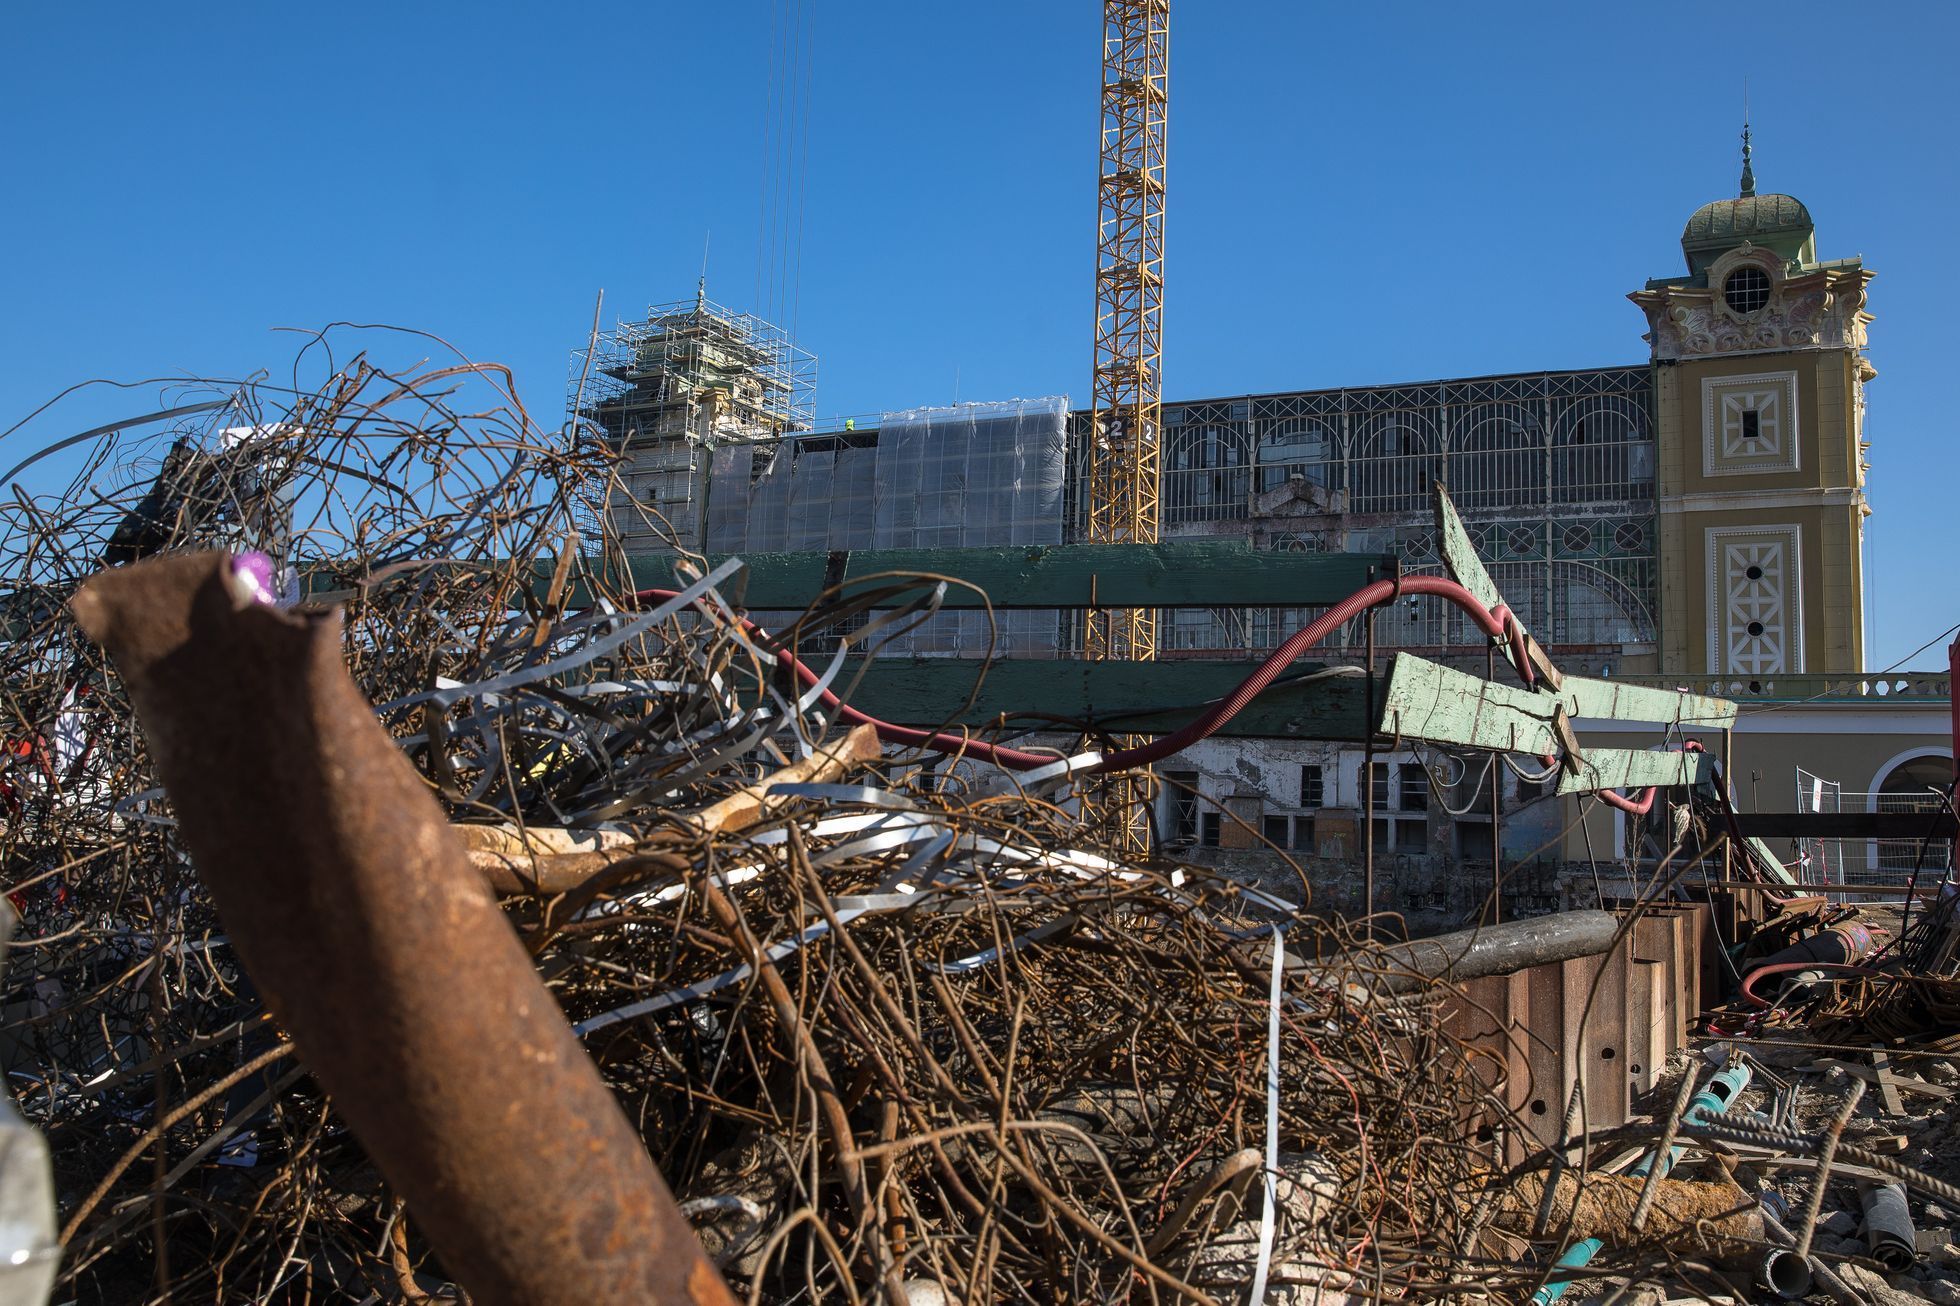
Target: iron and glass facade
{"points": [[1552, 471]]}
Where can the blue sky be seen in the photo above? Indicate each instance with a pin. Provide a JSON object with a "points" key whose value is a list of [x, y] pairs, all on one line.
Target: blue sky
{"points": [[1357, 194]]}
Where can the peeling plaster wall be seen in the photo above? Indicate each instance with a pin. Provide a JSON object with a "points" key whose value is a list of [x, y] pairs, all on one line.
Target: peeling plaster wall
{"points": [[1430, 867]]}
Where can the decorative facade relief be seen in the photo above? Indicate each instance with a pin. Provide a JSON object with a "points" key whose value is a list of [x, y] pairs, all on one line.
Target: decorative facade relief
{"points": [[1749, 424], [1821, 309], [1755, 600]]}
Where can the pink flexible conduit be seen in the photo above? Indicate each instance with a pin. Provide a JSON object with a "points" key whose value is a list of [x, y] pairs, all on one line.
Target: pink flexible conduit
{"points": [[1496, 622]]}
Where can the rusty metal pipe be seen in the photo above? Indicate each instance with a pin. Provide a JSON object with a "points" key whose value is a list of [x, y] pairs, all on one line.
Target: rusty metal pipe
{"points": [[376, 945], [1501, 949], [1894, 1243], [1601, 1206]]}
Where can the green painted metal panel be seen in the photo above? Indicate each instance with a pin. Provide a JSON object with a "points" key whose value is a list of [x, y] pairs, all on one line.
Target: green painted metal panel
{"points": [[1180, 574], [1767, 861], [1130, 697], [1460, 555], [1461, 561], [1625, 768], [1619, 701], [1435, 704]]}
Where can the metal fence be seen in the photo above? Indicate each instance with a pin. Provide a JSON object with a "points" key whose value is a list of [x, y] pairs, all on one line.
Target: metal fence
{"points": [[1867, 862]]}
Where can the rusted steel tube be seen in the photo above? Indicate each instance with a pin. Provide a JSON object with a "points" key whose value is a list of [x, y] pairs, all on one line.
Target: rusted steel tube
{"points": [[1602, 1207], [1888, 1227], [1501, 949], [384, 954], [1840, 945]]}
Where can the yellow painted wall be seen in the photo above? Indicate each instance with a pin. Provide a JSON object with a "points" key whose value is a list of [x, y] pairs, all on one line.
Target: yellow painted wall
{"points": [[1853, 756], [1830, 563]]}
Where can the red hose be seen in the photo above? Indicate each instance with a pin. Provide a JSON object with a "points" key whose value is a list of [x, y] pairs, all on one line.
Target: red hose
{"points": [[1749, 984], [1632, 807], [1498, 623]]}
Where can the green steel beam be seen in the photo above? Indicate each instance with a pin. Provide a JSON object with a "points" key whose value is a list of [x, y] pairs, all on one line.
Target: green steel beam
{"points": [[1619, 701], [1625, 768], [1435, 704], [1122, 696], [1461, 561], [1445, 706], [1180, 574]]}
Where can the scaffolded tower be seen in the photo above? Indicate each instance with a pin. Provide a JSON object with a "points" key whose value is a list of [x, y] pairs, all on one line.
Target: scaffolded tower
{"points": [[665, 391], [1125, 422]]}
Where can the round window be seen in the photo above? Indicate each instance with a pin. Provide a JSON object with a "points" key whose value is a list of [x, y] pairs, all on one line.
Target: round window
{"points": [[1746, 290]]}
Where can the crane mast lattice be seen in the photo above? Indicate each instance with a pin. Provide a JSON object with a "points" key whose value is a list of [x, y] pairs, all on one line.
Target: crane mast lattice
{"points": [[1124, 447]]}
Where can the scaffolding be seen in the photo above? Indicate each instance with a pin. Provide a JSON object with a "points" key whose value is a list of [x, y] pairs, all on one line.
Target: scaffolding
{"points": [[969, 476], [1123, 455], [665, 391]]}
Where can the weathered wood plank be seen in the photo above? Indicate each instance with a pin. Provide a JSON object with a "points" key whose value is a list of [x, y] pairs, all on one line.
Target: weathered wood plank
{"points": [[1626, 768], [1126, 696], [1180, 574], [1888, 1091], [1899, 1083]]}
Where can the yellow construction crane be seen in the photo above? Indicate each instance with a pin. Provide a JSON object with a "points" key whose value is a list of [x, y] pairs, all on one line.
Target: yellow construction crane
{"points": [[1125, 440]]}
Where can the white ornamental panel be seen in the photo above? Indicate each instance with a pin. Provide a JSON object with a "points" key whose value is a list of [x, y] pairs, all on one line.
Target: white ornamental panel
{"points": [[1755, 601], [1749, 424]]}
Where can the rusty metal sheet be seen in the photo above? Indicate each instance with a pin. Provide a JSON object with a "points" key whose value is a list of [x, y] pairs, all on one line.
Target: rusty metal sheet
{"points": [[1545, 1052], [1577, 978], [1656, 939], [1603, 1052], [1687, 986], [1539, 1031], [1644, 981], [1488, 1014]]}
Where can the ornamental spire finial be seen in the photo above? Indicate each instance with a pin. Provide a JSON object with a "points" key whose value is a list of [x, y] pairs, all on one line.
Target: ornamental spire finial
{"points": [[1748, 173]]}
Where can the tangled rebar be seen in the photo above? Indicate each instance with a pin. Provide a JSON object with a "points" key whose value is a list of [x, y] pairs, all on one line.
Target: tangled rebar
{"points": [[902, 1026]]}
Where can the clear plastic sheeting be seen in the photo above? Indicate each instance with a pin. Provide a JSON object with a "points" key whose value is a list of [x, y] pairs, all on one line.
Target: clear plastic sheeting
{"points": [[969, 476]]}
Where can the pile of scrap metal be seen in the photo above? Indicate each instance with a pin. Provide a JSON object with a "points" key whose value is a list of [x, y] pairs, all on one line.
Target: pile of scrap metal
{"points": [[479, 925], [1850, 1014], [1788, 1192], [1852, 974]]}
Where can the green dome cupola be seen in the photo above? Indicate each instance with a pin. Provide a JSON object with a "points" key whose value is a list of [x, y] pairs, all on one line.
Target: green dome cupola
{"points": [[1779, 223]]}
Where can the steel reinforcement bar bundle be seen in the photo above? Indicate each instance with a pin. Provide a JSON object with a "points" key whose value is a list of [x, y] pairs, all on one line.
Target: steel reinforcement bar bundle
{"points": [[461, 934]]}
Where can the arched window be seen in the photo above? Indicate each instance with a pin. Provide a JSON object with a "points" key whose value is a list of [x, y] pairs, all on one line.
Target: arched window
{"points": [[1592, 606], [1207, 472], [1297, 446], [1396, 460], [1602, 449], [1912, 785], [1499, 460]]}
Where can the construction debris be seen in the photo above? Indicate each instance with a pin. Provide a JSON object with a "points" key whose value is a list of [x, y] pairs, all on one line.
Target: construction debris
{"points": [[521, 934]]}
